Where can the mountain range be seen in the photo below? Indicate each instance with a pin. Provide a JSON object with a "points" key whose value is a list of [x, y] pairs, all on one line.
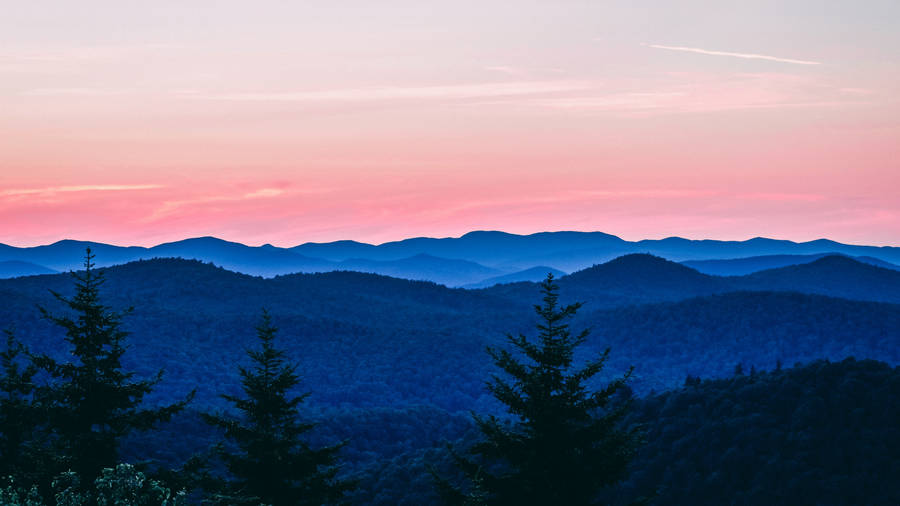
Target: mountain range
{"points": [[395, 365], [17, 268], [474, 260], [748, 265], [363, 323]]}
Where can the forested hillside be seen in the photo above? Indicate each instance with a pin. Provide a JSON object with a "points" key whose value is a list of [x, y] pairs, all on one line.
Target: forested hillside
{"points": [[373, 341], [825, 433], [396, 366]]}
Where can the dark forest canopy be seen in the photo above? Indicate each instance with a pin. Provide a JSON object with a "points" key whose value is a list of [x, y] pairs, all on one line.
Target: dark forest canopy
{"points": [[371, 340], [396, 365], [825, 433]]}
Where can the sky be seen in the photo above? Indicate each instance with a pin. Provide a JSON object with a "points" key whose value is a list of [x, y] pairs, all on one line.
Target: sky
{"points": [[284, 122]]}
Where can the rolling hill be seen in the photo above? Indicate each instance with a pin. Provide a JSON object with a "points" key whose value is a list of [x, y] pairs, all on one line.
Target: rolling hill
{"points": [[424, 267], [396, 365], [16, 268], [838, 276], [749, 265], [571, 251], [496, 253], [349, 328], [642, 278], [533, 274]]}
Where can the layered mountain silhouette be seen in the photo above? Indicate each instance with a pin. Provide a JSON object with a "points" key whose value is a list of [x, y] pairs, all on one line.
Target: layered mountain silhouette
{"points": [[533, 274], [580, 249], [748, 265], [16, 268], [474, 259], [642, 278], [832, 275], [450, 272], [351, 328], [396, 364]]}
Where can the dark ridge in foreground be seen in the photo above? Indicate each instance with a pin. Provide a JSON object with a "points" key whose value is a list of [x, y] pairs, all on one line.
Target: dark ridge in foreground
{"points": [[349, 331], [825, 433]]}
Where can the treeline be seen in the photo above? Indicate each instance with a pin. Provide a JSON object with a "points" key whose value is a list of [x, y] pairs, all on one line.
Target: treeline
{"points": [[378, 435], [370, 342], [64, 422], [821, 434], [825, 433]]}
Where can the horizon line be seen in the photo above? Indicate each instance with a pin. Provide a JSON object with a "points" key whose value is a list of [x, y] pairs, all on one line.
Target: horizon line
{"points": [[407, 238]]}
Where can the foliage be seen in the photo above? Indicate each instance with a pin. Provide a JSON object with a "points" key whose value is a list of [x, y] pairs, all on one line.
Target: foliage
{"points": [[270, 462], [565, 443], [11, 495], [824, 433], [397, 365], [124, 485], [18, 415], [93, 402], [119, 486]]}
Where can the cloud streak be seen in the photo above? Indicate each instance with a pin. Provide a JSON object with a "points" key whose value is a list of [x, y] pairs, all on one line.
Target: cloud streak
{"points": [[78, 188], [749, 56], [461, 91], [169, 207]]}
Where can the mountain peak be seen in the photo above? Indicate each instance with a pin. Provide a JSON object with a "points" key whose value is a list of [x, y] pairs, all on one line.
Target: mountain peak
{"points": [[643, 264], [642, 259], [486, 233]]}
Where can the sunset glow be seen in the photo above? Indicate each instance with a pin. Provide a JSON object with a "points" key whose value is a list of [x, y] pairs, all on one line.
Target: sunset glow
{"points": [[287, 122]]}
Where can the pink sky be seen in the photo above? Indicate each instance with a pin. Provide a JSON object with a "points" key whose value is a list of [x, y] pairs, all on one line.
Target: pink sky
{"points": [[299, 121]]}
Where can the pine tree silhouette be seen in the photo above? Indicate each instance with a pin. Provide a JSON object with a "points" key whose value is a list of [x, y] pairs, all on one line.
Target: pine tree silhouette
{"points": [[563, 444], [265, 451], [19, 416], [92, 401]]}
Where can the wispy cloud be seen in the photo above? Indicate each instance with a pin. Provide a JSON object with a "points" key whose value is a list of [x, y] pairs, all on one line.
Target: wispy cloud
{"points": [[522, 71], [504, 69], [263, 193], [67, 58], [169, 207], [749, 56], [79, 188], [783, 197], [685, 92], [460, 91], [651, 193], [75, 92]]}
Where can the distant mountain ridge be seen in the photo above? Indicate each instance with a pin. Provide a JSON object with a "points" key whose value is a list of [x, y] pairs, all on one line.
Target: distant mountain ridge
{"points": [[17, 268], [533, 274], [573, 251], [748, 265], [471, 259], [367, 322], [423, 267], [641, 278]]}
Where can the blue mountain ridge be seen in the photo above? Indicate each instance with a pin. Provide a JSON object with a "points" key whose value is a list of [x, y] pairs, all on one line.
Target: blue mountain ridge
{"points": [[748, 265], [467, 260], [18, 268]]}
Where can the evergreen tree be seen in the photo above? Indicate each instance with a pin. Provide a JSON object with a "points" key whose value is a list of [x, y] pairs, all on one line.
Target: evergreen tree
{"points": [[563, 443], [92, 402], [18, 415], [269, 460]]}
